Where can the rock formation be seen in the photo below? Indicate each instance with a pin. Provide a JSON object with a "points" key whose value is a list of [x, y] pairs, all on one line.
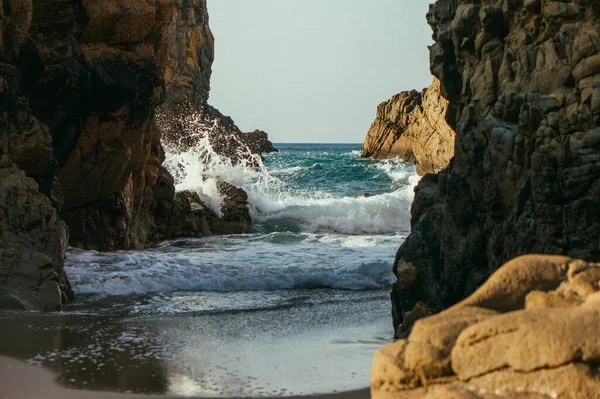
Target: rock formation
{"points": [[183, 214], [412, 126], [523, 83], [258, 142], [79, 84], [189, 67], [79, 141], [191, 54], [531, 331]]}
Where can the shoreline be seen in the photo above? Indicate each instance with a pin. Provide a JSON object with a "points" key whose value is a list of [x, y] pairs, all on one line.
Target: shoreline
{"points": [[20, 380]]}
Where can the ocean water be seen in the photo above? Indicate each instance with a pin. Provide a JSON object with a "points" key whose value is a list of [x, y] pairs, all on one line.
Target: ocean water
{"points": [[322, 218], [298, 306]]}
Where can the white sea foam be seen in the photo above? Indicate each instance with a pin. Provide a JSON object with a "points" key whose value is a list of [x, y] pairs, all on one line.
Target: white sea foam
{"points": [[381, 214], [200, 168], [228, 264]]}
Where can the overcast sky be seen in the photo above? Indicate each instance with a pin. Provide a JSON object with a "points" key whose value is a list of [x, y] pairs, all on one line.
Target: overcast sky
{"points": [[309, 71]]}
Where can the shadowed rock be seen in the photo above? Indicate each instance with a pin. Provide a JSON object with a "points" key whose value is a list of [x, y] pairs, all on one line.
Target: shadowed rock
{"points": [[258, 142], [79, 85], [523, 84]]}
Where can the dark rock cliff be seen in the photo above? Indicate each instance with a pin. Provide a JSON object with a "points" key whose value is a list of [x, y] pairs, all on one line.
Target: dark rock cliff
{"points": [[523, 83], [189, 67], [80, 82], [258, 142], [412, 126]]}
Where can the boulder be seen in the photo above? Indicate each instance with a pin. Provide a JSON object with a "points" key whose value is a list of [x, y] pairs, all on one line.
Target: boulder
{"points": [[184, 214], [528, 332], [33, 242]]}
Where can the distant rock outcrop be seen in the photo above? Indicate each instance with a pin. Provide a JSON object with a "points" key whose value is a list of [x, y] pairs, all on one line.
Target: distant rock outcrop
{"points": [[523, 83], [189, 68], [412, 126], [258, 142], [529, 332]]}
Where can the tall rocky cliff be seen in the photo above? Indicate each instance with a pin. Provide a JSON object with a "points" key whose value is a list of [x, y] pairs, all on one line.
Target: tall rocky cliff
{"points": [[523, 82], [80, 148], [79, 84], [412, 126], [189, 68], [191, 54]]}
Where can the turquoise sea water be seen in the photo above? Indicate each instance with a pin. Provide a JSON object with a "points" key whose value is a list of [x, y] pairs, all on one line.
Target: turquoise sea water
{"points": [[298, 306]]}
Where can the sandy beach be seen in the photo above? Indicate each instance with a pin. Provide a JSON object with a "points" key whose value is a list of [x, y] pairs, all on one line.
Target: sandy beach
{"points": [[19, 380], [288, 352]]}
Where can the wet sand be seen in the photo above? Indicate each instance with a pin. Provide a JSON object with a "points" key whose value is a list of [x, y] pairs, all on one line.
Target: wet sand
{"points": [[290, 352], [19, 380]]}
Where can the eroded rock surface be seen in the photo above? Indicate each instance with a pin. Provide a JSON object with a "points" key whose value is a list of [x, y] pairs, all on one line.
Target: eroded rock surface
{"points": [[412, 126], [523, 83], [530, 331], [32, 246], [191, 54], [79, 142]]}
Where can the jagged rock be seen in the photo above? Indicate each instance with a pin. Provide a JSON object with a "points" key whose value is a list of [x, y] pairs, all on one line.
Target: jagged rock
{"points": [[528, 332], [258, 142], [15, 21], [174, 214], [79, 84], [205, 129], [521, 80], [91, 76], [235, 216], [186, 112], [412, 126], [78, 88], [191, 53], [183, 214]]}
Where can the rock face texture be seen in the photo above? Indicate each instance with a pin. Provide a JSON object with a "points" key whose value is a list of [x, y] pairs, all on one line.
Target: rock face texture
{"points": [[79, 141], [189, 67], [412, 126], [258, 142], [99, 81], [191, 54], [523, 83], [183, 214], [529, 332]]}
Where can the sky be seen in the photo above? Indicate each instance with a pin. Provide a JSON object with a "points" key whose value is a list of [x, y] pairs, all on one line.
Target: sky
{"points": [[314, 71]]}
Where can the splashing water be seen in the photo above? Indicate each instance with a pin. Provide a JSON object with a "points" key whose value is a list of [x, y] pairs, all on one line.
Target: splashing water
{"points": [[322, 218], [196, 162], [312, 188]]}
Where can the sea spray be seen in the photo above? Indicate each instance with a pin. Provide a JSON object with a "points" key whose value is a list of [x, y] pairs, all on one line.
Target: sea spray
{"points": [[200, 152], [296, 190]]}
